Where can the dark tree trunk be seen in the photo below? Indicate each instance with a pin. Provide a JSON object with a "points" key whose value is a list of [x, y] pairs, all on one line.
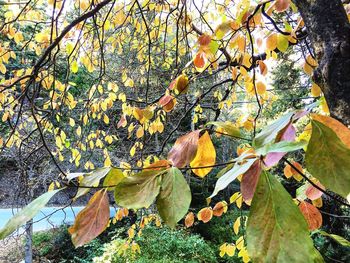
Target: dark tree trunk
{"points": [[329, 30]]}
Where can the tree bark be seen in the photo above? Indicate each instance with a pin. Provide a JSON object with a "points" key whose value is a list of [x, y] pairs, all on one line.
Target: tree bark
{"points": [[329, 31], [28, 254]]}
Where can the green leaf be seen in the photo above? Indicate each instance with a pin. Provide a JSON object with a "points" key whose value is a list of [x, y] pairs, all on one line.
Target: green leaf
{"points": [[26, 213], [229, 128], [327, 159], [282, 146], [269, 133], [138, 190], [91, 179], [114, 177], [174, 198], [276, 230], [342, 241], [213, 46], [231, 175]]}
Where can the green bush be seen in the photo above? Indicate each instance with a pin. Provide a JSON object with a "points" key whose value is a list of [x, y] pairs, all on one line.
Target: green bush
{"points": [[162, 245]]}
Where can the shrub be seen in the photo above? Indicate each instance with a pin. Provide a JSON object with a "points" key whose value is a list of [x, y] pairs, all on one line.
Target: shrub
{"points": [[161, 245]]}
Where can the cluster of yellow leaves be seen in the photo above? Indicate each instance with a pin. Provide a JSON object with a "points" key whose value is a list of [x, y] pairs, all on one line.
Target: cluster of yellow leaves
{"points": [[229, 249]]}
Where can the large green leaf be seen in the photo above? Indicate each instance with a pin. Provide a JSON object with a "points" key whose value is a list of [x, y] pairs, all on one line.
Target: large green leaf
{"points": [[26, 213], [328, 159], [231, 175], [276, 230], [174, 198], [283, 146], [138, 190], [269, 133]]}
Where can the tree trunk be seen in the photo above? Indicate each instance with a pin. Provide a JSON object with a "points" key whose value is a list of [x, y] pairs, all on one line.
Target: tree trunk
{"points": [[329, 31], [28, 250]]}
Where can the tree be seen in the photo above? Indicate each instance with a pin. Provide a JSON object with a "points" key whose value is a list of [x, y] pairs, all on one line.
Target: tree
{"points": [[141, 89]]}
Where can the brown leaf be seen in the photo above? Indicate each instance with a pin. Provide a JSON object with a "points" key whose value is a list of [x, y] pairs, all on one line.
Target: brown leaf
{"points": [[92, 220], [250, 180], [312, 215], [184, 149], [189, 219]]}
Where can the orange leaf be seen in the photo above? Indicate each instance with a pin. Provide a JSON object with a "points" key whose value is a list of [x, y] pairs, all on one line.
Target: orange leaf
{"points": [[184, 149], [92, 220], [220, 208], [205, 214], [340, 129], [271, 42], [158, 165], [167, 102], [262, 67], [282, 5], [199, 60], [312, 215], [189, 219], [205, 156]]}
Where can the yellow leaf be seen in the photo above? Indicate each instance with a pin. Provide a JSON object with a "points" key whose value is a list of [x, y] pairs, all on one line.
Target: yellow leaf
{"points": [[234, 197], [74, 67], [230, 250], [282, 42], [205, 156], [105, 118], [139, 132], [236, 225], [260, 88], [315, 90]]}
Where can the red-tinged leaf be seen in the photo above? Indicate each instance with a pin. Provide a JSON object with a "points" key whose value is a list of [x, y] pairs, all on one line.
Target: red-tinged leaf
{"points": [[167, 102], [92, 220], [282, 5], [184, 149], [205, 214], [287, 134], [189, 219], [313, 193], [204, 40], [199, 60], [250, 180], [122, 122], [312, 215], [220, 208]]}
